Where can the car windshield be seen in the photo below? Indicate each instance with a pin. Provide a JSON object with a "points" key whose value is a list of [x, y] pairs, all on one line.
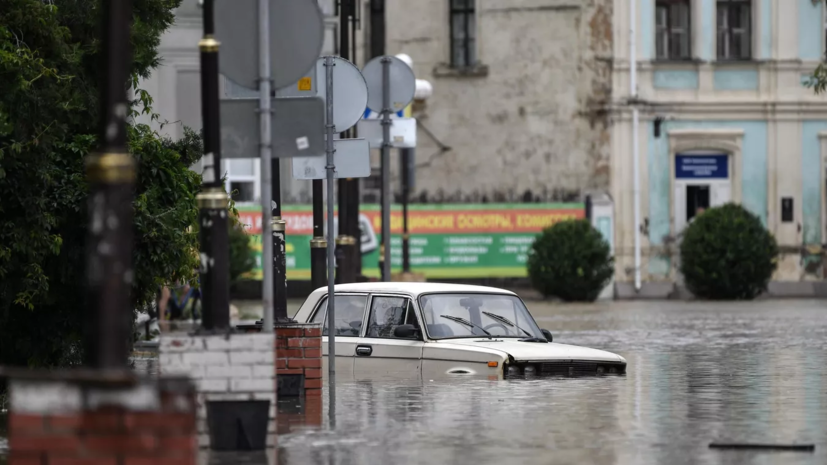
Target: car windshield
{"points": [[467, 315]]}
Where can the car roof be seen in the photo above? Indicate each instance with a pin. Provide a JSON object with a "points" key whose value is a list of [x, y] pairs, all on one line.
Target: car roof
{"points": [[415, 289]]}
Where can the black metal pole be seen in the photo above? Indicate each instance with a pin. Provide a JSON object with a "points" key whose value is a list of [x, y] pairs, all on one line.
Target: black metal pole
{"points": [[345, 269], [407, 155], [111, 174], [212, 201], [318, 245], [352, 185], [279, 248]]}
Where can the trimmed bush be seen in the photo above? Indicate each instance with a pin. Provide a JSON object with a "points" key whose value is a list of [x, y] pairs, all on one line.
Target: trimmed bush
{"points": [[727, 254], [570, 260]]}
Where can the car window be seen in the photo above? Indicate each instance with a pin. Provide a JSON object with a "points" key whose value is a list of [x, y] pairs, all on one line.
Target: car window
{"points": [[386, 313], [350, 309]]}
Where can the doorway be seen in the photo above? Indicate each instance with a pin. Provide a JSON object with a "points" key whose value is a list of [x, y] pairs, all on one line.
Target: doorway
{"points": [[697, 199]]}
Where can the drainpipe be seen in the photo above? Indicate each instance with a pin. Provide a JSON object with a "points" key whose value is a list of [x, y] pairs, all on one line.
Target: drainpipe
{"points": [[635, 133]]}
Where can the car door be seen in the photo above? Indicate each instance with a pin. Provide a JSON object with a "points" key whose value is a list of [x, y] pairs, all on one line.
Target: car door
{"points": [[349, 316], [380, 353]]}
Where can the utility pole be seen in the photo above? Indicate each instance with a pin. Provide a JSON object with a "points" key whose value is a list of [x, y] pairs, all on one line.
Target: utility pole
{"points": [[111, 174], [345, 242], [213, 200]]}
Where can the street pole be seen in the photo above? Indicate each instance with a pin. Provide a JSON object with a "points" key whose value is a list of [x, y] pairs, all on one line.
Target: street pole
{"points": [[265, 114], [111, 174], [331, 296], [344, 242], [407, 157], [279, 249], [212, 201], [386, 169], [318, 245]]}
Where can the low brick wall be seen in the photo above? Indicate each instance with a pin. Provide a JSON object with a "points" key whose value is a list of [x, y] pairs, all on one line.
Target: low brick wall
{"points": [[299, 355], [61, 422], [236, 367]]}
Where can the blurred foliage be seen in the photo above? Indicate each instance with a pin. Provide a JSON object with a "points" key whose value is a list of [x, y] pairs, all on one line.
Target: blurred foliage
{"points": [[570, 260], [50, 73], [727, 254]]}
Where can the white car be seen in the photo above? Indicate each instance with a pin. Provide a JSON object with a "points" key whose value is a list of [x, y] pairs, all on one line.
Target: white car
{"points": [[432, 330]]}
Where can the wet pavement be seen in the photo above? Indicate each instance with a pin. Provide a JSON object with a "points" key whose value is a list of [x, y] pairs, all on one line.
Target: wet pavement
{"points": [[697, 373]]}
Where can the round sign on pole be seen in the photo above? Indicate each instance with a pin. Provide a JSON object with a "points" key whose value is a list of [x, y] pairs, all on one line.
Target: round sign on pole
{"points": [[296, 39], [350, 92], [402, 83]]}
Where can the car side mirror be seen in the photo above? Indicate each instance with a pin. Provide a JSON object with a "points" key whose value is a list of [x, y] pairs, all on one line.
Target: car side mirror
{"points": [[547, 334], [406, 332]]}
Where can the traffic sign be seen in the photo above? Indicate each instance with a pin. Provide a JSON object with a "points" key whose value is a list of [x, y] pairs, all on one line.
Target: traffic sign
{"points": [[350, 92], [297, 127], [296, 39], [352, 160], [402, 136], [402, 83]]}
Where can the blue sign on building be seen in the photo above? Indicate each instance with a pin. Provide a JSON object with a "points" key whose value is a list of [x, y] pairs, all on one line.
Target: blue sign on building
{"points": [[702, 167]]}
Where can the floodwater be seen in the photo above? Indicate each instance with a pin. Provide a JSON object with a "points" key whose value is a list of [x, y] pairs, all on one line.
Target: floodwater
{"points": [[697, 373]]}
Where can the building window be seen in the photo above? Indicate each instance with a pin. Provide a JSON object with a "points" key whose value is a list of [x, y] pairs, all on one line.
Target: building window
{"points": [[672, 28], [242, 179], [734, 37], [463, 33]]}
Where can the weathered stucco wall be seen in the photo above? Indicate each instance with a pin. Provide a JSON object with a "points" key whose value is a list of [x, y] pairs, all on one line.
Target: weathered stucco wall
{"points": [[530, 117]]}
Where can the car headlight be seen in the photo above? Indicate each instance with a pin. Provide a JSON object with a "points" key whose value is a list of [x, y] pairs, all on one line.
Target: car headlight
{"points": [[530, 370], [513, 370]]}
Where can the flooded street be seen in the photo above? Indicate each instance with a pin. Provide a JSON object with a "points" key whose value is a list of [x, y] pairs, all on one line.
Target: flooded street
{"points": [[698, 373]]}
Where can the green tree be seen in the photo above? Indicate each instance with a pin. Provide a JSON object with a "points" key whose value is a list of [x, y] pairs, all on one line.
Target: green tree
{"points": [[570, 260], [818, 81], [50, 76], [728, 254]]}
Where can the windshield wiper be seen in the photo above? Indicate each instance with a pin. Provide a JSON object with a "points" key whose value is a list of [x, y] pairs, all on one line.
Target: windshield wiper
{"points": [[466, 323], [508, 322]]}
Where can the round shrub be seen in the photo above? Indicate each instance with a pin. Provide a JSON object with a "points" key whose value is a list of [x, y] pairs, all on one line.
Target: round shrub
{"points": [[727, 254], [570, 260]]}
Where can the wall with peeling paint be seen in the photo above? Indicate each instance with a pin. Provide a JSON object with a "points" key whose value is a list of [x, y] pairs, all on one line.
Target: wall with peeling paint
{"points": [[531, 117]]}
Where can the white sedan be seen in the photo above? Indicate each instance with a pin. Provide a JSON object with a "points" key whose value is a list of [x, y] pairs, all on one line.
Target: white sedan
{"points": [[432, 330]]}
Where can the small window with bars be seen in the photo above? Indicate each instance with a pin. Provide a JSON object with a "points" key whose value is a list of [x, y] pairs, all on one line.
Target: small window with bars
{"points": [[672, 28], [463, 33], [734, 29]]}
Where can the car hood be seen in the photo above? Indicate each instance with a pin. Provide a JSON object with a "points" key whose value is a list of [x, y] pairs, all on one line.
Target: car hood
{"points": [[537, 351]]}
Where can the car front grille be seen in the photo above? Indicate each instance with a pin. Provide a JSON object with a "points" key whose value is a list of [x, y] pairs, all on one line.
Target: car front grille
{"points": [[577, 367]]}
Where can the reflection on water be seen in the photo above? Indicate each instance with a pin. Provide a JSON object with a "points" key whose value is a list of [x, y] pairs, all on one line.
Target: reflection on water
{"points": [[697, 373]]}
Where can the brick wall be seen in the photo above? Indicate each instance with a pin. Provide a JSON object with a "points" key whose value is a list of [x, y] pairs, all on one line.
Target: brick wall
{"points": [[299, 352], [58, 422], [236, 367]]}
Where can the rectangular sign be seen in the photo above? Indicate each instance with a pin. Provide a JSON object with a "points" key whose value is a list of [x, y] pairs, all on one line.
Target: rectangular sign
{"points": [[702, 167], [351, 160], [446, 241]]}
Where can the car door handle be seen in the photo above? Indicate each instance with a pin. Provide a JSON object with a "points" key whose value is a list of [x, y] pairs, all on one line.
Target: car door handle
{"points": [[364, 351]]}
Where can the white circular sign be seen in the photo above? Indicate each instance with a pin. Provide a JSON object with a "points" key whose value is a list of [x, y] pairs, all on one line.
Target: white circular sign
{"points": [[296, 39], [402, 83], [350, 92]]}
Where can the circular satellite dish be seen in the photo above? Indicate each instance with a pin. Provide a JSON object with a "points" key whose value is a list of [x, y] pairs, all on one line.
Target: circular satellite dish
{"points": [[296, 39], [402, 83], [350, 92]]}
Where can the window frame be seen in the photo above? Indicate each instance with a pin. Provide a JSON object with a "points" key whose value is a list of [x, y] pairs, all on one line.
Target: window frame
{"points": [[729, 33], [468, 42], [323, 300], [254, 178], [669, 34], [412, 307]]}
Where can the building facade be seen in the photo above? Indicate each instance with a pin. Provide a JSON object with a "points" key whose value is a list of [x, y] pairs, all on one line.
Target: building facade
{"points": [[725, 116]]}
